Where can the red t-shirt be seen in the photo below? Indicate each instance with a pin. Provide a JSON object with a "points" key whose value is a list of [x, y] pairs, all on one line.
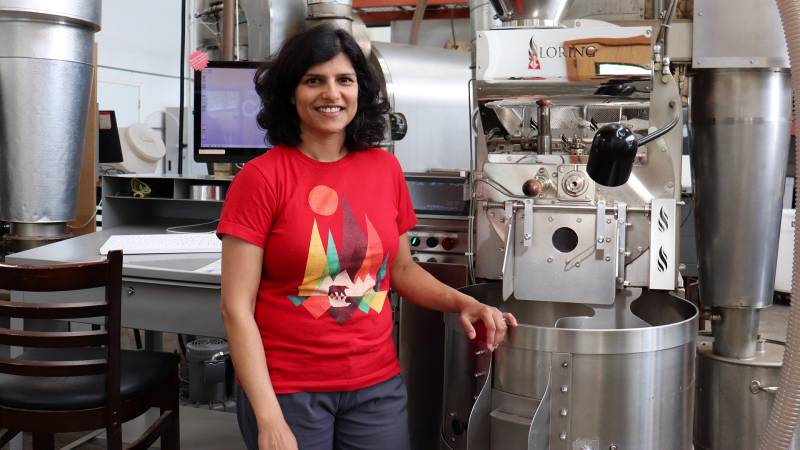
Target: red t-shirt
{"points": [[330, 234]]}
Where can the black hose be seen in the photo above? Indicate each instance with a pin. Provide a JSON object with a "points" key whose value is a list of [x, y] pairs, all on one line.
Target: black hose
{"points": [[181, 101]]}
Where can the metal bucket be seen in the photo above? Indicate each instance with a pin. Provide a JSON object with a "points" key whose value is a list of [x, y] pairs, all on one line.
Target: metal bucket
{"points": [[45, 78], [734, 397], [570, 378]]}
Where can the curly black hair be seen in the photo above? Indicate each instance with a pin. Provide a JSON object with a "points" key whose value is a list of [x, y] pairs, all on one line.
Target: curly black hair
{"points": [[277, 80]]}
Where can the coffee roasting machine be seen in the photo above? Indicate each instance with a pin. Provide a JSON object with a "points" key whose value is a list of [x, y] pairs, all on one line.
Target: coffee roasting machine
{"points": [[578, 141], [578, 218]]}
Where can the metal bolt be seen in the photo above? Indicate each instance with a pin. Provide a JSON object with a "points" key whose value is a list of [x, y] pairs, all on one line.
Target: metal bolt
{"points": [[452, 414], [549, 259], [131, 290], [527, 236], [579, 220], [700, 13], [608, 239], [564, 388], [563, 412], [613, 447], [501, 249], [577, 264], [565, 364], [600, 240], [608, 258], [541, 170], [453, 439], [563, 436], [508, 158], [639, 248], [554, 174], [549, 218], [608, 221]]}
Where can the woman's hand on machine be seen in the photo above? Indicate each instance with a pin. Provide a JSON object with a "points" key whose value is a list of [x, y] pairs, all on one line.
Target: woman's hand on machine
{"points": [[495, 321]]}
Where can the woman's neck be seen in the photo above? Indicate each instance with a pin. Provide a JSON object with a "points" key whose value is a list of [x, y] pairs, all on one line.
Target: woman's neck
{"points": [[324, 148]]}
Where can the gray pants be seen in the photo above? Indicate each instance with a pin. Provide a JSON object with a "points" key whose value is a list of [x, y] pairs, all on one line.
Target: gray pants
{"points": [[373, 418]]}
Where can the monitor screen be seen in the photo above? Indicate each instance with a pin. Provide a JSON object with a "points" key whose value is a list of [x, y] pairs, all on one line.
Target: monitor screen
{"points": [[226, 105]]}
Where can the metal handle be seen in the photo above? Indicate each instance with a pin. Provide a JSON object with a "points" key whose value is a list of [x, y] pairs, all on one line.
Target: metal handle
{"points": [[217, 357], [756, 387]]}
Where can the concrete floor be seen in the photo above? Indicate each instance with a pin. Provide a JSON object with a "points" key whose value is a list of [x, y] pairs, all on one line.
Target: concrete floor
{"points": [[205, 429], [201, 429]]}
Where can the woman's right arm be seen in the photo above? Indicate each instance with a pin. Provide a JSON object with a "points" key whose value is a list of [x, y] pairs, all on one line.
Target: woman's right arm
{"points": [[241, 276]]}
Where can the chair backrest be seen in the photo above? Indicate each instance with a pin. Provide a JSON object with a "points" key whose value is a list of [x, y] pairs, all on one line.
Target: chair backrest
{"points": [[66, 277]]}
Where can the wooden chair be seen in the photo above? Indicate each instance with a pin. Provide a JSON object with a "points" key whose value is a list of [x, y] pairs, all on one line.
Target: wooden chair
{"points": [[80, 380]]}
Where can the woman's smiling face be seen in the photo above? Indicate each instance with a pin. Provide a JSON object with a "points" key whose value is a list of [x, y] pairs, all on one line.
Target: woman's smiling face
{"points": [[327, 97]]}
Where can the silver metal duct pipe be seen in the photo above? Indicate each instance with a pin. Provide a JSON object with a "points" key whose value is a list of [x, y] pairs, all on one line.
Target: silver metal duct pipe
{"points": [[535, 13], [339, 13], [270, 23], [45, 78], [741, 145]]}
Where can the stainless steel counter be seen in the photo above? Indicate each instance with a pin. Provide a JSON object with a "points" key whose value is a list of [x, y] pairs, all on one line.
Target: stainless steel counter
{"points": [[159, 292]]}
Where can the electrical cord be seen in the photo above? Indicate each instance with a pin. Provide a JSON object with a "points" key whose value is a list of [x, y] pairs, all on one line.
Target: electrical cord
{"points": [[499, 187], [140, 188], [109, 170], [89, 220]]}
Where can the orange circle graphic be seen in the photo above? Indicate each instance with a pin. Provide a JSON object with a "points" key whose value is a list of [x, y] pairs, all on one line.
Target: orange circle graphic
{"points": [[323, 200]]}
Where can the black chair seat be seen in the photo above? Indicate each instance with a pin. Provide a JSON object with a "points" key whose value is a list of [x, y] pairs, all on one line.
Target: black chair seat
{"points": [[140, 372]]}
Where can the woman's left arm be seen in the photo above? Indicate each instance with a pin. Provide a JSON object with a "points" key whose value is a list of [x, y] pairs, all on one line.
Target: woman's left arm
{"points": [[415, 284]]}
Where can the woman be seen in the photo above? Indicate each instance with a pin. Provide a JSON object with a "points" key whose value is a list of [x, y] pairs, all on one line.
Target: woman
{"points": [[312, 233]]}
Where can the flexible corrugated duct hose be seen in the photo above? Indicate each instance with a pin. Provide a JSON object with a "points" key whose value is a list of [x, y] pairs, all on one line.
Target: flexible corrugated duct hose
{"points": [[786, 408]]}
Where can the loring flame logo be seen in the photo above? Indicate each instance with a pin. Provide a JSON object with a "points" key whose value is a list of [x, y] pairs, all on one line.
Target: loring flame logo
{"points": [[533, 56]]}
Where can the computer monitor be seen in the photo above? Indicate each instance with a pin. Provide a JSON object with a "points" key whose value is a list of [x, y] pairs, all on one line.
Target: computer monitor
{"points": [[226, 105]]}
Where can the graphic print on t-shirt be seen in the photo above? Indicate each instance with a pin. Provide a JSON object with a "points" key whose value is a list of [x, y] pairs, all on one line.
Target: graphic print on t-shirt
{"points": [[345, 279]]}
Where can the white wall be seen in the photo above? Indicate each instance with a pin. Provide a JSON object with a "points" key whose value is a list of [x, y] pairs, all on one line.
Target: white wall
{"points": [[139, 59]]}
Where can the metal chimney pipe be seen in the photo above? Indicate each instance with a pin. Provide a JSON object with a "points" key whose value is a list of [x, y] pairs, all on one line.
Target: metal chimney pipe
{"points": [[741, 146], [339, 13], [45, 78]]}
